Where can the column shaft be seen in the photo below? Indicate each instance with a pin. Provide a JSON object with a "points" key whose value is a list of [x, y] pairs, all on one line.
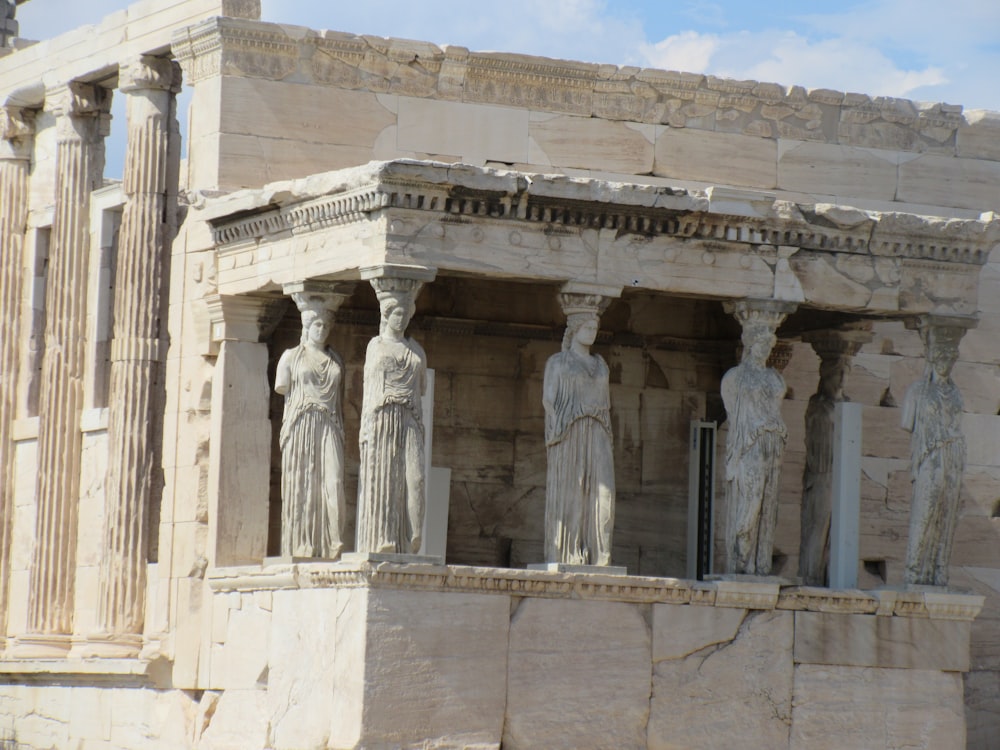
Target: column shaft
{"points": [[15, 134], [79, 165], [138, 346]]}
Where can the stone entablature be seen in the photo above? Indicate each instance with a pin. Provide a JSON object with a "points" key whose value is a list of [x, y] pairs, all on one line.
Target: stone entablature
{"points": [[713, 243], [233, 47]]}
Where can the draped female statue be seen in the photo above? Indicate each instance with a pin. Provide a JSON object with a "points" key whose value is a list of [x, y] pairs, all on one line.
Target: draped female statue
{"points": [[391, 479], [311, 377], [932, 412], [752, 394], [580, 485]]}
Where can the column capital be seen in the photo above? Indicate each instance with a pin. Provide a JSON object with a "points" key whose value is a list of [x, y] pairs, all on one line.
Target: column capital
{"points": [[842, 341], [585, 297], [324, 295], [77, 99], [17, 129], [75, 103], [934, 320], [769, 311], [145, 72], [242, 318], [398, 271]]}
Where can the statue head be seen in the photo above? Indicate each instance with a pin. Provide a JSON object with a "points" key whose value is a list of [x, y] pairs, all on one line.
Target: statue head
{"points": [[396, 302], [314, 308], [758, 340], [941, 343], [582, 326]]}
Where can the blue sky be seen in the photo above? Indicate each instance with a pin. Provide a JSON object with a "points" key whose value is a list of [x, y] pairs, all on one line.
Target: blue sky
{"points": [[918, 49]]}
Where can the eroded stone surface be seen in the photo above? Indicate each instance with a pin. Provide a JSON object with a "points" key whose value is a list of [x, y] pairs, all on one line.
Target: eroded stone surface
{"points": [[838, 707], [578, 676], [734, 692]]}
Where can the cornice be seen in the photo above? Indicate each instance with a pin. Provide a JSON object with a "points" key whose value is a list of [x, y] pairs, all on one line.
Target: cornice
{"points": [[592, 587], [347, 196], [411, 68]]}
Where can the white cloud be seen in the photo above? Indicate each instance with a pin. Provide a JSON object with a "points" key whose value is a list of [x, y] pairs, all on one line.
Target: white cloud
{"points": [[687, 51]]}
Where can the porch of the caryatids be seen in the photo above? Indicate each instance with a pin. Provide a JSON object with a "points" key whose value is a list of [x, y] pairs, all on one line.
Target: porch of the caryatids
{"points": [[16, 140], [81, 112], [836, 349], [932, 413], [752, 394], [138, 349]]}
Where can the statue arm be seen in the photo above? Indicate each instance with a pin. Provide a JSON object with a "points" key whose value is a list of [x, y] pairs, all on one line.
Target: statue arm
{"points": [[283, 373]]}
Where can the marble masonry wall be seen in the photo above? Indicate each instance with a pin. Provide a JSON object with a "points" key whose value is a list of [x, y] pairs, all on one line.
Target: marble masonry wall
{"points": [[224, 648]]}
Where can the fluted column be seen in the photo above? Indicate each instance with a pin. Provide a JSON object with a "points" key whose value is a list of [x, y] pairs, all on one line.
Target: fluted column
{"points": [[836, 349], [138, 348], [16, 131], [81, 111]]}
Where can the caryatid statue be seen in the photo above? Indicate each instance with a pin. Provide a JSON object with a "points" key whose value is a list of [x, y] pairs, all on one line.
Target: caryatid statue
{"points": [[836, 349], [311, 378], [932, 412], [391, 497], [580, 484], [752, 394]]}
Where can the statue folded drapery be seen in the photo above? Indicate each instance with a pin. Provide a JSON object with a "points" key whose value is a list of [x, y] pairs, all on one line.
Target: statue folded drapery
{"points": [[580, 486], [311, 377], [391, 481]]}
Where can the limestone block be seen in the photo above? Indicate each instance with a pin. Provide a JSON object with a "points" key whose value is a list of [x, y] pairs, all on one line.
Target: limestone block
{"points": [[679, 631], [942, 180], [251, 161], [242, 661], [627, 428], [858, 707], [734, 693], [590, 143], [483, 401], [720, 158], [982, 436], [578, 675], [982, 713], [979, 138], [824, 284], [845, 171], [489, 457], [985, 645], [876, 641], [475, 132], [239, 721], [306, 649], [302, 113], [434, 669], [882, 436]]}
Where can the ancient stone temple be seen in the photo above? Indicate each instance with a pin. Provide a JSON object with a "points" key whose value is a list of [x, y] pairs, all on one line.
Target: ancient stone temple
{"points": [[421, 397]]}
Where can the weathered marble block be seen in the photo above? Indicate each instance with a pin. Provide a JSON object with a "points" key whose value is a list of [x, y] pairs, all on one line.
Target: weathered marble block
{"points": [[578, 675]]}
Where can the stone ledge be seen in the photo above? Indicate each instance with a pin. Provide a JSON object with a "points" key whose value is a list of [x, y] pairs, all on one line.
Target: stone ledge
{"points": [[79, 667], [592, 586]]}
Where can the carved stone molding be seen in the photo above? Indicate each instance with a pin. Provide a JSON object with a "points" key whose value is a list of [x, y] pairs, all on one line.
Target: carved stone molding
{"points": [[591, 586], [149, 73], [353, 195], [239, 318], [680, 100], [17, 129], [82, 110]]}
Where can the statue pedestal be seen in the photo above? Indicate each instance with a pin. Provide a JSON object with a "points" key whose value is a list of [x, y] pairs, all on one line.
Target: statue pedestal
{"points": [[607, 570], [353, 558]]}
